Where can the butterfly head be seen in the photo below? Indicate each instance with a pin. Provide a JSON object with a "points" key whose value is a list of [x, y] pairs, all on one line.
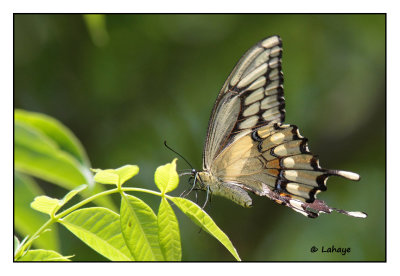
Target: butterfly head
{"points": [[203, 179]]}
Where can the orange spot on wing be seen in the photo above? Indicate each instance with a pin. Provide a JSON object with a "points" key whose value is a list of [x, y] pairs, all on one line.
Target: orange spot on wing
{"points": [[286, 195], [274, 164], [273, 172]]}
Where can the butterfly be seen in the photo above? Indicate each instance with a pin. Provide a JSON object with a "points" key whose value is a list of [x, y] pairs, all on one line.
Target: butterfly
{"points": [[248, 148]]}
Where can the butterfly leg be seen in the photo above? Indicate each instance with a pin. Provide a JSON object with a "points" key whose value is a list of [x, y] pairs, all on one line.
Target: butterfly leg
{"points": [[184, 193], [207, 196]]}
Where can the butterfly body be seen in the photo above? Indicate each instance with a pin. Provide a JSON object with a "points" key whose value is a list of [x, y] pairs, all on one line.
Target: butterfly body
{"points": [[218, 187], [248, 148]]}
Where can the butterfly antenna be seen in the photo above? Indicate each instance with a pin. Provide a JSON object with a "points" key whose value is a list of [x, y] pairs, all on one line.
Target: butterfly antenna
{"points": [[165, 144]]}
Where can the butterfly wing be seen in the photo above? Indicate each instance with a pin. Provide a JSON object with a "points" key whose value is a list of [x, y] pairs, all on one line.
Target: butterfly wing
{"points": [[248, 149], [251, 97], [275, 161]]}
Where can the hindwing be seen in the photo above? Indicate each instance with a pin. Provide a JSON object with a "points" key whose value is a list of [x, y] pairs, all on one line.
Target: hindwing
{"points": [[275, 161]]}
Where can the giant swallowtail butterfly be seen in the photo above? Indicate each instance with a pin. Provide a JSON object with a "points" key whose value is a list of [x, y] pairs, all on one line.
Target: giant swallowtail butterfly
{"points": [[249, 149]]}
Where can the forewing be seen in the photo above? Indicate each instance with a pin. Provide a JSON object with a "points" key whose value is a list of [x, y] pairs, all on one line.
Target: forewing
{"points": [[251, 97], [275, 161]]}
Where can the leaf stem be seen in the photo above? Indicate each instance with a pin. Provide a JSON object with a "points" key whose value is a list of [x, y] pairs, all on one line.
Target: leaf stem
{"points": [[141, 190], [83, 202]]}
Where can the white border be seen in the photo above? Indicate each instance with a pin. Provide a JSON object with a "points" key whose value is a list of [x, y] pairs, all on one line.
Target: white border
{"points": [[208, 6]]}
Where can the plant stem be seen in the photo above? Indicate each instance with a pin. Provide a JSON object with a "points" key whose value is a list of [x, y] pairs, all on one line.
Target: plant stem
{"points": [[83, 202], [141, 190]]}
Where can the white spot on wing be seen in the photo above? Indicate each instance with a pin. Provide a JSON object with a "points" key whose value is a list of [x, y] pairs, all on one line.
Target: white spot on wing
{"points": [[259, 71], [248, 123], [269, 102], [349, 175], [291, 175], [273, 62], [280, 150], [270, 113], [254, 96], [270, 42], [288, 162], [296, 203], [295, 189], [298, 134], [277, 138], [301, 212], [257, 84], [271, 92], [262, 58], [273, 75], [357, 214], [252, 109], [275, 51], [271, 85]]}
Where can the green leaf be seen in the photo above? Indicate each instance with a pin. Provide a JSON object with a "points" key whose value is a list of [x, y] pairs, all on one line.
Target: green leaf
{"points": [[96, 24], [27, 220], [71, 194], [166, 177], [169, 236], [117, 177], [127, 172], [201, 218], [100, 229], [108, 176], [56, 131], [140, 229], [45, 204], [16, 244], [50, 205], [19, 252], [37, 155], [41, 255]]}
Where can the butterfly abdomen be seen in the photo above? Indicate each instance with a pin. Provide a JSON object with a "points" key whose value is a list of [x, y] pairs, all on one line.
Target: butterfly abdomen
{"points": [[233, 192]]}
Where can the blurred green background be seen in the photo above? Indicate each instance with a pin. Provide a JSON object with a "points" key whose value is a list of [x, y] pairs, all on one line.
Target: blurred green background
{"points": [[125, 83]]}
